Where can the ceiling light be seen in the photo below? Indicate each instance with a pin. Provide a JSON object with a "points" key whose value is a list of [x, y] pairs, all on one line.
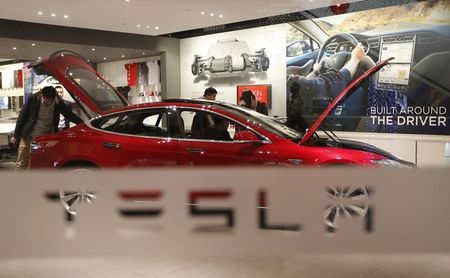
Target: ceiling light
{"points": [[202, 13], [139, 25], [93, 49], [211, 14], [147, 26], [156, 28], [123, 56], [127, 0], [143, 53], [220, 15], [104, 58], [40, 13], [14, 48], [39, 57], [53, 14], [33, 44], [66, 16], [88, 60]]}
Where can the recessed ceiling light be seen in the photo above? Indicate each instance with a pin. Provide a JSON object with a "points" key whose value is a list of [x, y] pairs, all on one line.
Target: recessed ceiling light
{"points": [[33, 44], [53, 14], [66, 16], [147, 27], [211, 14], [104, 58], [123, 56], [202, 13], [139, 25], [220, 15], [143, 53], [40, 13], [156, 28], [93, 49], [39, 57], [127, 0], [14, 48], [88, 60]]}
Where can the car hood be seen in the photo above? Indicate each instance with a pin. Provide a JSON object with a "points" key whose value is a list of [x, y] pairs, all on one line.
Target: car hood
{"points": [[94, 94], [354, 84]]}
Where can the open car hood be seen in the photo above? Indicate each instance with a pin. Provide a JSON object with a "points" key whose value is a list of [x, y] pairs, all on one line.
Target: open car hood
{"points": [[354, 84], [94, 95]]}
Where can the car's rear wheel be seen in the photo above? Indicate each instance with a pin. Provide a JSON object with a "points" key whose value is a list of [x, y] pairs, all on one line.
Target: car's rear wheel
{"points": [[80, 167]]}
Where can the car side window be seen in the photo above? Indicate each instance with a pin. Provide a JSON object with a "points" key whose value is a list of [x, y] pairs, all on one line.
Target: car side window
{"points": [[299, 43], [106, 123], [208, 126], [151, 123]]}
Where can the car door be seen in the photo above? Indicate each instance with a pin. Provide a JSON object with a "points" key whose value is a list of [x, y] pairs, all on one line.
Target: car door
{"points": [[216, 143], [138, 138]]}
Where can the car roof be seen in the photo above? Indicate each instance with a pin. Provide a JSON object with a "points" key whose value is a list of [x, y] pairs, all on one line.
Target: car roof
{"points": [[172, 101]]}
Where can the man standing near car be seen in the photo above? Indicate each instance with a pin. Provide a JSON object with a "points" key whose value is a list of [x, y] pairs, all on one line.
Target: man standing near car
{"points": [[210, 94], [39, 116]]}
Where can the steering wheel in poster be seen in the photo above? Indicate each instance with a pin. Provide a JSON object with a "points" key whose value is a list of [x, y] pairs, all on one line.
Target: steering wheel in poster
{"points": [[337, 60]]}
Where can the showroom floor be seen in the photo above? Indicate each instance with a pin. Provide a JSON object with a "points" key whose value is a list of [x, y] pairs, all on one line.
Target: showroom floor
{"points": [[337, 266]]}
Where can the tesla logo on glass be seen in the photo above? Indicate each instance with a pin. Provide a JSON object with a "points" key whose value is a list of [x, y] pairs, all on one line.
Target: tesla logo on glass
{"points": [[343, 202]]}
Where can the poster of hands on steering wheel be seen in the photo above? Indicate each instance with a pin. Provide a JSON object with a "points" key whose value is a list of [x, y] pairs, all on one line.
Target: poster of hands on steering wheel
{"points": [[410, 95]]}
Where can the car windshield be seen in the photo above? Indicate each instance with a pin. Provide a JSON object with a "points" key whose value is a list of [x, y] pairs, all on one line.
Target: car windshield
{"points": [[394, 18], [268, 123], [100, 92]]}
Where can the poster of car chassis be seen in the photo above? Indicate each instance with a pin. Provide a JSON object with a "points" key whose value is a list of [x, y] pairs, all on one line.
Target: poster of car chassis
{"points": [[230, 58]]}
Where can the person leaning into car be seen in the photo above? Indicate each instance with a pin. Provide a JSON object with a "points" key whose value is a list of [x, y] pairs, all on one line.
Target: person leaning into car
{"points": [[39, 116]]}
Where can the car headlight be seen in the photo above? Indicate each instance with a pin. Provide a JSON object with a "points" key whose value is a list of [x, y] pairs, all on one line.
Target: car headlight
{"points": [[385, 162]]}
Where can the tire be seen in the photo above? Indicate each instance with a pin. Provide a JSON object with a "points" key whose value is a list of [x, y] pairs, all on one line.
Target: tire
{"points": [[265, 62], [80, 167], [194, 69]]}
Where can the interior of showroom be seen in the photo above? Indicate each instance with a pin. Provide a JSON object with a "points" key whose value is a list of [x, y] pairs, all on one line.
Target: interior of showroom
{"points": [[393, 113], [231, 221]]}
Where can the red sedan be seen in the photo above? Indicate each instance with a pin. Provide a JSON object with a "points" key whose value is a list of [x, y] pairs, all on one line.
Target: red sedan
{"points": [[183, 132]]}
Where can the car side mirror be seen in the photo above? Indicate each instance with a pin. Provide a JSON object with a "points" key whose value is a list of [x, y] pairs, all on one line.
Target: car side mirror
{"points": [[246, 136]]}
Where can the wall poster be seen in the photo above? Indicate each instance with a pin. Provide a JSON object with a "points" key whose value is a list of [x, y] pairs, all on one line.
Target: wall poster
{"points": [[411, 95], [263, 93]]}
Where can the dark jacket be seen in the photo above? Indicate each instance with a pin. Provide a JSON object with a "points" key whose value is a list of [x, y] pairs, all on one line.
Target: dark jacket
{"points": [[29, 113], [295, 118], [261, 107]]}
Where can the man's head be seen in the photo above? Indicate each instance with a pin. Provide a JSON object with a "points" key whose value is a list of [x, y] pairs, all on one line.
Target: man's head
{"points": [[210, 93], [59, 91], [48, 95]]}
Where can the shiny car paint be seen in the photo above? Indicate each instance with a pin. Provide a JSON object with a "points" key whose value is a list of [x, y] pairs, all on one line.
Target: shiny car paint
{"points": [[90, 145]]}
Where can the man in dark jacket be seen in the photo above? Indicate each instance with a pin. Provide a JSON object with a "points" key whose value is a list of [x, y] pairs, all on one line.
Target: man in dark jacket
{"points": [[39, 116], [295, 118]]}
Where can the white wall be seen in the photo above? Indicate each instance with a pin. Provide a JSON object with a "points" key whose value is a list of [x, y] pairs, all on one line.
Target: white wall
{"points": [[272, 38], [115, 72], [12, 91]]}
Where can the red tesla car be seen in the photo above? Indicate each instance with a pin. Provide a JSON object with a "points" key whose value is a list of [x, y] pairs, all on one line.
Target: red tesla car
{"points": [[182, 131]]}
